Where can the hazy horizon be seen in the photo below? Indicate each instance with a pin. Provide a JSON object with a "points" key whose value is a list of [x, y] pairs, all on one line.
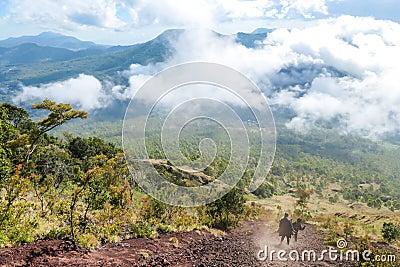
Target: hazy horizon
{"points": [[126, 22]]}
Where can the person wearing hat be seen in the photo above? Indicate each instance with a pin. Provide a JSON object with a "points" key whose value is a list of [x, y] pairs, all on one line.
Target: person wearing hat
{"points": [[297, 226], [286, 228]]}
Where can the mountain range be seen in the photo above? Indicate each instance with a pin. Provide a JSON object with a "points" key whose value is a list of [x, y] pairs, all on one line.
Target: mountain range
{"points": [[51, 39], [49, 57], [53, 47]]}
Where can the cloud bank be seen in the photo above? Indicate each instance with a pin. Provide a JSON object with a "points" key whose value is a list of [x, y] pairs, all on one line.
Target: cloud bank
{"points": [[358, 88], [340, 73], [84, 91]]}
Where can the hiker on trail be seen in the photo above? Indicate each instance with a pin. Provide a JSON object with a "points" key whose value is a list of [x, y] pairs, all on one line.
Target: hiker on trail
{"points": [[285, 228], [297, 226]]}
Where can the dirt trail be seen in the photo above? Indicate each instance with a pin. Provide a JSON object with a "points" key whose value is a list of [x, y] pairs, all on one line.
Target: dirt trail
{"points": [[197, 248], [308, 240]]}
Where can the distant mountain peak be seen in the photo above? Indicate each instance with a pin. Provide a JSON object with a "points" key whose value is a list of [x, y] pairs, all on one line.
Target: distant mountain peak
{"points": [[52, 34], [48, 38], [261, 31]]}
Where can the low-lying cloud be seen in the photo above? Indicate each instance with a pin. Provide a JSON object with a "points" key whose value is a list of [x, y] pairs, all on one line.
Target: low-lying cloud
{"points": [[346, 71], [84, 92], [358, 89]]}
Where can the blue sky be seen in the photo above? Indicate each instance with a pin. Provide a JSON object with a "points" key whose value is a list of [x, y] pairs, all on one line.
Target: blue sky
{"points": [[131, 21]]}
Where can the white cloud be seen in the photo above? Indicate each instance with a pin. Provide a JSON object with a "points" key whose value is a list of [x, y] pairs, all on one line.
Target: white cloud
{"points": [[85, 91], [247, 9], [67, 14], [368, 106], [342, 72], [366, 97], [137, 76], [125, 14], [174, 12], [209, 13], [306, 8]]}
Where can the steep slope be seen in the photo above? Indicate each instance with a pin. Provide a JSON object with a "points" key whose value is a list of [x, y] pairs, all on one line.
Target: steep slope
{"points": [[98, 62], [28, 53]]}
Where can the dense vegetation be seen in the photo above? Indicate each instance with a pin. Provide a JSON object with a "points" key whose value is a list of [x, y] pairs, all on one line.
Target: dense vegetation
{"points": [[366, 170], [81, 188], [390, 231]]}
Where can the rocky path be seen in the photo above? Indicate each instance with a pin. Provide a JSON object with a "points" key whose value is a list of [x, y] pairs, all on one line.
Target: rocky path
{"points": [[197, 248]]}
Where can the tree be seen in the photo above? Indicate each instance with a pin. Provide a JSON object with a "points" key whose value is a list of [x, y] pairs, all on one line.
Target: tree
{"points": [[5, 165], [18, 117], [59, 114], [81, 188], [105, 183], [301, 205], [53, 166], [14, 186], [390, 232], [224, 212], [334, 199], [86, 148]]}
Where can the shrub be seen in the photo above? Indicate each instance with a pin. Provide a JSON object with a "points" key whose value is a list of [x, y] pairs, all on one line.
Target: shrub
{"points": [[225, 212], [390, 232]]}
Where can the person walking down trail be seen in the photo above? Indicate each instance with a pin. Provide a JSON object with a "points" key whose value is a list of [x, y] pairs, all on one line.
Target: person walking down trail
{"points": [[297, 226], [286, 228]]}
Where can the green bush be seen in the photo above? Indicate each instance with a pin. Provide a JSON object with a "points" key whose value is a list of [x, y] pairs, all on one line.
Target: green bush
{"points": [[390, 232], [225, 212], [142, 229]]}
